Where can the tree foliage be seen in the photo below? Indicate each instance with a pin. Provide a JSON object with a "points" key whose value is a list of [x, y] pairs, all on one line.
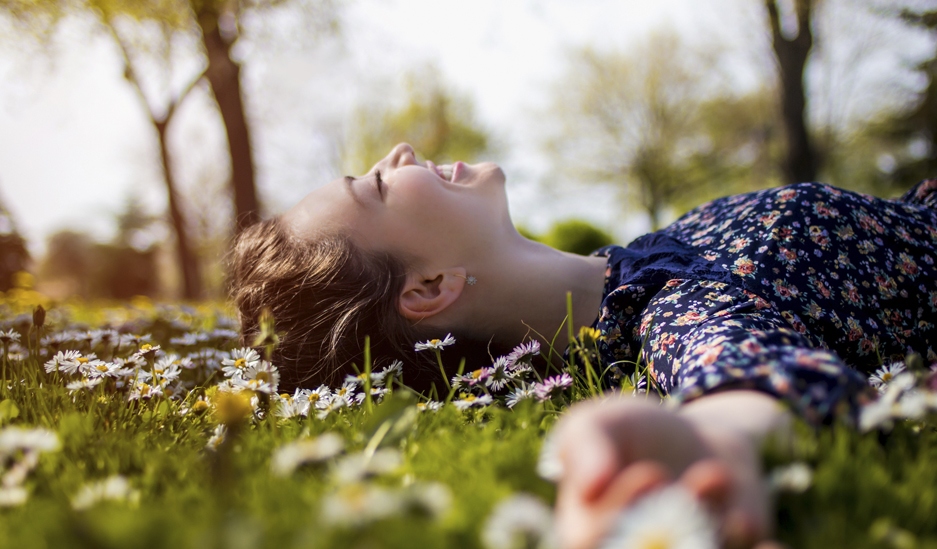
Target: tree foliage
{"points": [[659, 122], [439, 124]]}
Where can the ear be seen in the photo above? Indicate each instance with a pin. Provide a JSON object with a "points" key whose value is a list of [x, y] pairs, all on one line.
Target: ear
{"points": [[427, 294]]}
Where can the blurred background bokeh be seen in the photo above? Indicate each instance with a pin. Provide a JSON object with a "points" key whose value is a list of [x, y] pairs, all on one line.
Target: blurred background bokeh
{"points": [[138, 136]]}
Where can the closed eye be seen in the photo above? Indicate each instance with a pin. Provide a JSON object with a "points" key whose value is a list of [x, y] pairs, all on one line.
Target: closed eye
{"points": [[379, 183]]}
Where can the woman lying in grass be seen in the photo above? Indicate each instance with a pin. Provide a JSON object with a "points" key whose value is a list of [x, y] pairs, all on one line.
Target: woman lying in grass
{"points": [[774, 296]]}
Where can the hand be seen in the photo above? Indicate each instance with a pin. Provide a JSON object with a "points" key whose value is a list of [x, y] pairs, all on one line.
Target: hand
{"points": [[617, 450]]}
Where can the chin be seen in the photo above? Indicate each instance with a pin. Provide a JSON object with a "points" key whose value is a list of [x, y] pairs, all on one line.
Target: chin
{"points": [[493, 172]]}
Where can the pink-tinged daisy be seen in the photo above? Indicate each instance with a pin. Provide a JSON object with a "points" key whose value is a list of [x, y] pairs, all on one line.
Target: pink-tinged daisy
{"points": [[434, 344], [523, 354], [552, 386]]}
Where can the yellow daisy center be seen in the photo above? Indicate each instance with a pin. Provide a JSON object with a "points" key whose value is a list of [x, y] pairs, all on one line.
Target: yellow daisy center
{"points": [[240, 363], [82, 360]]}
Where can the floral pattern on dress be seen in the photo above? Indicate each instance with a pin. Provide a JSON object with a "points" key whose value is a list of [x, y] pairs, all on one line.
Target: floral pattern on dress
{"points": [[791, 291]]}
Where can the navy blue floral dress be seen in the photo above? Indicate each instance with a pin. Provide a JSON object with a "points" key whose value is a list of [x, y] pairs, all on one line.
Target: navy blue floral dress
{"points": [[791, 291]]}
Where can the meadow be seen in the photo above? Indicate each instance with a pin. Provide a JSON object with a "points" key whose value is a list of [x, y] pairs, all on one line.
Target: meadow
{"points": [[147, 425]]}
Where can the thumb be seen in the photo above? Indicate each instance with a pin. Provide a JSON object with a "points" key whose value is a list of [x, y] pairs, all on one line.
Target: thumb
{"points": [[590, 461]]}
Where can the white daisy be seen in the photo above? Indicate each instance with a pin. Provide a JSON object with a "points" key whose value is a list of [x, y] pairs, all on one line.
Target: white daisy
{"points": [[84, 383], [113, 488], [240, 360], [435, 343], [9, 336], [467, 401], [359, 504], [498, 376], [523, 392], [27, 440], [795, 477], [289, 457], [147, 351], [670, 518], [429, 406], [521, 520], [13, 496], [884, 375], [60, 360], [217, 437]]}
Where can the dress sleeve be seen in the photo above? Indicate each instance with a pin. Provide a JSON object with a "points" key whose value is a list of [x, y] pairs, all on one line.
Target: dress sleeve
{"points": [[702, 337]]}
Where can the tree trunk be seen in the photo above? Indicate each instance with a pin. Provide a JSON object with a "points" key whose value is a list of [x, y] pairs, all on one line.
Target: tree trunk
{"points": [[188, 263], [224, 77], [791, 53]]}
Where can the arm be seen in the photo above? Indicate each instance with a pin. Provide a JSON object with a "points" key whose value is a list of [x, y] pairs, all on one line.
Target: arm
{"points": [[616, 450]]}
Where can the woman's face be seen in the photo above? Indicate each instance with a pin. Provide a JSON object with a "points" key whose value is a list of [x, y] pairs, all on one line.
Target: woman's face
{"points": [[417, 211]]}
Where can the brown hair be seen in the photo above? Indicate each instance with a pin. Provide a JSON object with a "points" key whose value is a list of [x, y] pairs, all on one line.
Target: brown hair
{"points": [[326, 295]]}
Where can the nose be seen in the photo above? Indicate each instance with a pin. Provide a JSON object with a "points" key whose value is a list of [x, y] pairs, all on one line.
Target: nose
{"points": [[402, 155]]}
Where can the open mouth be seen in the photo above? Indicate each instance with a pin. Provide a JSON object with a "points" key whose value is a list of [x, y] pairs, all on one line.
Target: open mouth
{"points": [[449, 172]]}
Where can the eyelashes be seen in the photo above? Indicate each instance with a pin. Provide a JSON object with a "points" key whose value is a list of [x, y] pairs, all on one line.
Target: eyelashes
{"points": [[379, 183]]}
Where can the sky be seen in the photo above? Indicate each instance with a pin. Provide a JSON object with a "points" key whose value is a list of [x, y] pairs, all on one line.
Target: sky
{"points": [[75, 142]]}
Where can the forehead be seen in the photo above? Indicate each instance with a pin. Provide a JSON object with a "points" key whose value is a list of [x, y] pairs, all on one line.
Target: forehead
{"points": [[325, 209]]}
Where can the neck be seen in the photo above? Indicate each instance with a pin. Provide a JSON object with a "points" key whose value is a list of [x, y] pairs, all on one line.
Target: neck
{"points": [[522, 292]]}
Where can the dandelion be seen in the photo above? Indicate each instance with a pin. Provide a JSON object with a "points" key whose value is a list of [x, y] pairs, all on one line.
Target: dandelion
{"points": [[670, 518], [435, 344], [552, 387], [884, 375], [289, 457], [113, 488], [522, 520], [467, 401], [240, 360]]}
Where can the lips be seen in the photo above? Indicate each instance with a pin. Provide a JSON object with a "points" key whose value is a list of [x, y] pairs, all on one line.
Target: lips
{"points": [[448, 172]]}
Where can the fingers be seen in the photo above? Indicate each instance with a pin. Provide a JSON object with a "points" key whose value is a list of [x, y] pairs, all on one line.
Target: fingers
{"points": [[582, 524]]}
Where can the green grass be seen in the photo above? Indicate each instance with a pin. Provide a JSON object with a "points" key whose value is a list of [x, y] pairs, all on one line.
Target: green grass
{"points": [[869, 490]]}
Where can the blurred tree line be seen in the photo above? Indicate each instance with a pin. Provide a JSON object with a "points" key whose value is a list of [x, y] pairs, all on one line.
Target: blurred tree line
{"points": [[663, 121]]}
